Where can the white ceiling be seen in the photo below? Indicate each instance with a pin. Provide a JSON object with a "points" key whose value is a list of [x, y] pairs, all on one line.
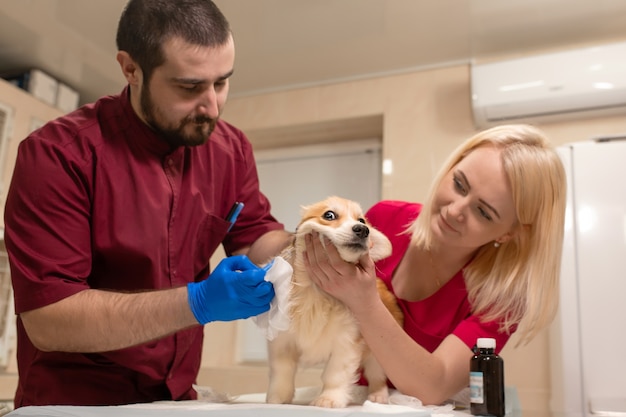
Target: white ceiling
{"points": [[286, 43]]}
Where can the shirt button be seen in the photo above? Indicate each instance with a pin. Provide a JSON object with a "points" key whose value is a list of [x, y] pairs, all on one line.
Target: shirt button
{"points": [[170, 162]]}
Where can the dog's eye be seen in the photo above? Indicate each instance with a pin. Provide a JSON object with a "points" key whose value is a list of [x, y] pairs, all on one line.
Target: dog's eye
{"points": [[362, 220], [330, 215]]}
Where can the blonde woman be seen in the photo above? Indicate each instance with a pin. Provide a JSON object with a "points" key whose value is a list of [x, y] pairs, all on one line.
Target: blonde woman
{"points": [[480, 258]]}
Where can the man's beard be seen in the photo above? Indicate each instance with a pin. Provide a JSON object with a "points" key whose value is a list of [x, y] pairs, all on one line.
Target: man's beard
{"points": [[175, 136]]}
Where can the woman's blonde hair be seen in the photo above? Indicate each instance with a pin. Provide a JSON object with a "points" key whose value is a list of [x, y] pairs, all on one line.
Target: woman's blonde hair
{"points": [[518, 282]]}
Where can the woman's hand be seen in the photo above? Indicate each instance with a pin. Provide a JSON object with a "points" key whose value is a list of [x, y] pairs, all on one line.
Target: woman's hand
{"points": [[352, 284]]}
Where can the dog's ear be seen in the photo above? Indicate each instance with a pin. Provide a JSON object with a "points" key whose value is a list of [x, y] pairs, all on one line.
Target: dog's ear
{"points": [[380, 246], [303, 210]]}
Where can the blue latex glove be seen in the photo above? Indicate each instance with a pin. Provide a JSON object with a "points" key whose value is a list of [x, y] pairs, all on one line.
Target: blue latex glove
{"points": [[235, 290]]}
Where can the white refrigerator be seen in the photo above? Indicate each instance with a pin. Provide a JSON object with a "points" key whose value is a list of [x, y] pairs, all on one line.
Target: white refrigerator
{"points": [[588, 338]]}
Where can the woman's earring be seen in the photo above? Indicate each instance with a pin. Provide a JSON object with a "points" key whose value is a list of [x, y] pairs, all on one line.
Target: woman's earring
{"points": [[496, 244]]}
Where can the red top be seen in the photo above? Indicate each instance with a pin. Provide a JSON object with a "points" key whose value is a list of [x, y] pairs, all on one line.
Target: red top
{"points": [[97, 200], [447, 311]]}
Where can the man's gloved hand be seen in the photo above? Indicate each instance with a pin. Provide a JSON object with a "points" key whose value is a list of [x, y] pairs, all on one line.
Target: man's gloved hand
{"points": [[235, 290]]}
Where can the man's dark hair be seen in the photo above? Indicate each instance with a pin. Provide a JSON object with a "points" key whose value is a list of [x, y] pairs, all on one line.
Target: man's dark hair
{"points": [[145, 25]]}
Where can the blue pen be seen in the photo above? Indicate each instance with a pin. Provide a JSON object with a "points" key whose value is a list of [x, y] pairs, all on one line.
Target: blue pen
{"points": [[233, 214]]}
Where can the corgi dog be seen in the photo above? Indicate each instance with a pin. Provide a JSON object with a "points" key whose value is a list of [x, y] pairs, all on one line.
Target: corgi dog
{"points": [[322, 331]]}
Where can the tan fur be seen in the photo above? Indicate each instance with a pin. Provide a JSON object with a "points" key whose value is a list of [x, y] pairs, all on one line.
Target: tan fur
{"points": [[322, 329]]}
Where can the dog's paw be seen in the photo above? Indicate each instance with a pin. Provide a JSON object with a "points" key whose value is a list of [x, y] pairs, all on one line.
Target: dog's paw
{"points": [[279, 399], [328, 403], [378, 397], [285, 397], [331, 400]]}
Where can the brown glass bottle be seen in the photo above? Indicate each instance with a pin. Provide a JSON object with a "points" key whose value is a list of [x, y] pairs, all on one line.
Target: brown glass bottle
{"points": [[486, 380]]}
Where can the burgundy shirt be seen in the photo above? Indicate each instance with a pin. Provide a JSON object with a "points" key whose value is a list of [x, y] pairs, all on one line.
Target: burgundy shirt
{"points": [[447, 311], [97, 200]]}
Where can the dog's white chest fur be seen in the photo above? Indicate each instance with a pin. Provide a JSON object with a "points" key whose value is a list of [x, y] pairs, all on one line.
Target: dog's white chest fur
{"points": [[319, 325]]}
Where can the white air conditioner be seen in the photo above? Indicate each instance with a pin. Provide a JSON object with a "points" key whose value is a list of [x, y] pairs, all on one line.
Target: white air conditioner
{"points": [[575, 83]]}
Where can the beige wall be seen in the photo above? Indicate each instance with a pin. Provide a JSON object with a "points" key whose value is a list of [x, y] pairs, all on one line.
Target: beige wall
{"points": [[421, 117]]}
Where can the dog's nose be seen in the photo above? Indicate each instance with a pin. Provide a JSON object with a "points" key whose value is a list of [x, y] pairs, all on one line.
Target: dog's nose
{"points": [[361, 230]]}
